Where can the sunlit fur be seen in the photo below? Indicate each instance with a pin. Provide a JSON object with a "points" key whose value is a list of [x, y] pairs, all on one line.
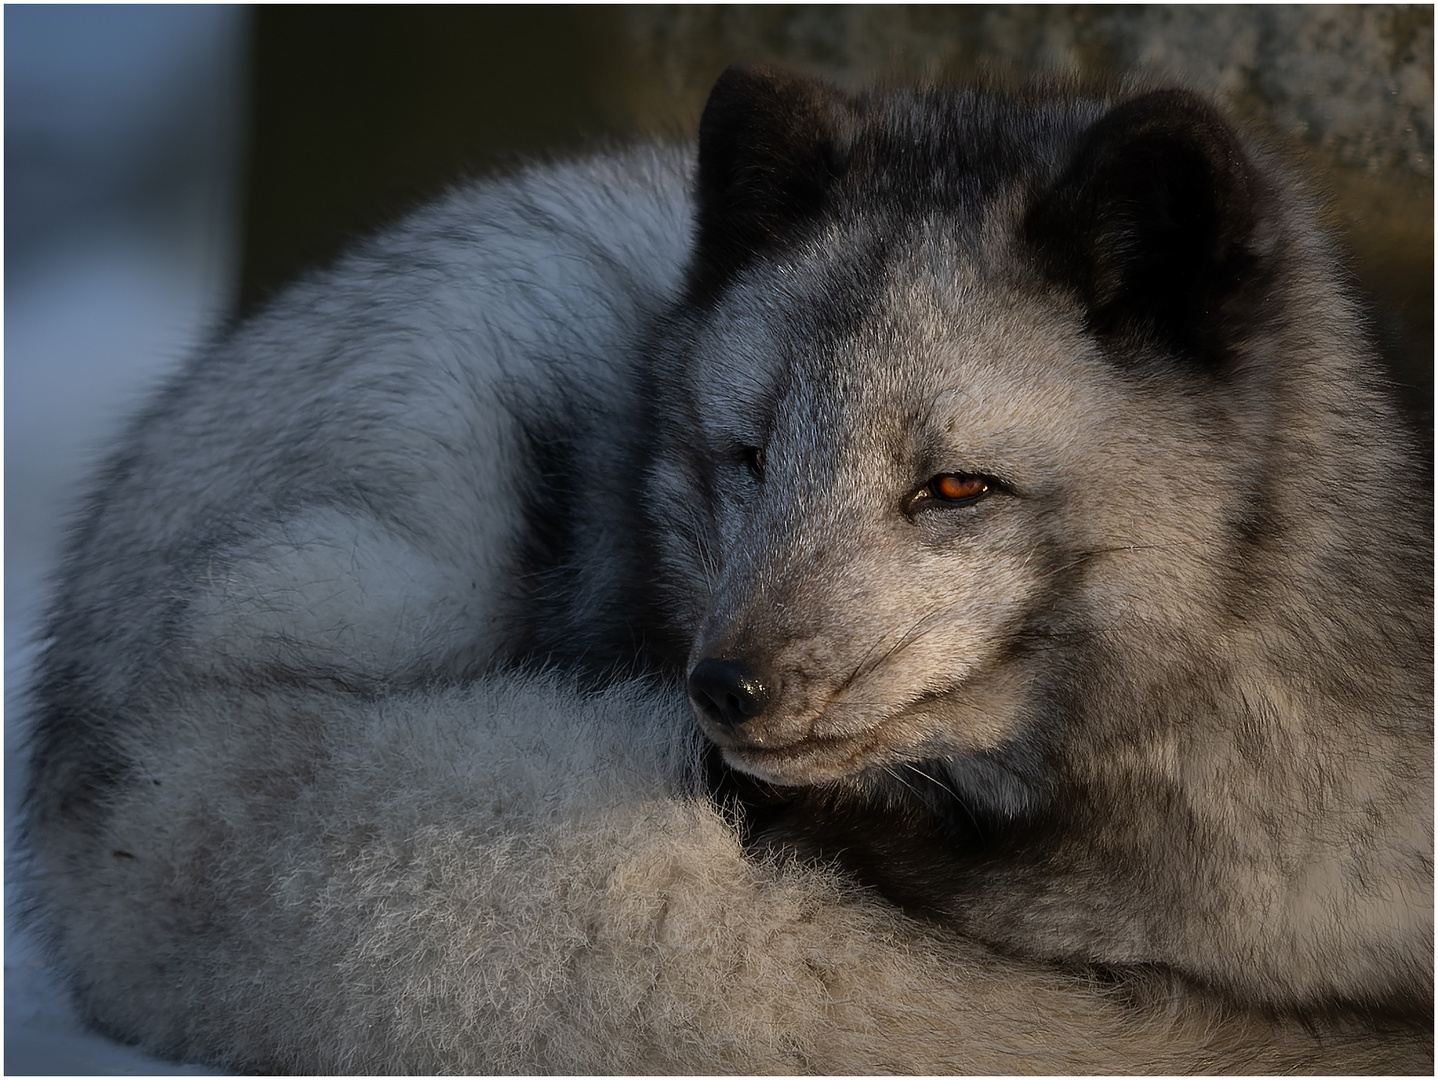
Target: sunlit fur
{"points": [[361, 734]]}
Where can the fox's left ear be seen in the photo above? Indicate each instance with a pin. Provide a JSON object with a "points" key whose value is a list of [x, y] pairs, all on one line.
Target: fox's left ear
{"points": [[771, 143], [1152, 223]]}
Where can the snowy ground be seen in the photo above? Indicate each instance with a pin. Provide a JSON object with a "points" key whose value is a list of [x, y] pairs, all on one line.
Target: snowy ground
{"points": [[122, 129]]}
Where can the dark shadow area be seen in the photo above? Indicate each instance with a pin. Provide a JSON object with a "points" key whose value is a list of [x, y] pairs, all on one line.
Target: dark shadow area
{"points": [[358, 113]]}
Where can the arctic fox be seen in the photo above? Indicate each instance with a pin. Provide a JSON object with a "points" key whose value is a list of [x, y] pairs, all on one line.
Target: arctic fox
{"points": [[1004, 479]]}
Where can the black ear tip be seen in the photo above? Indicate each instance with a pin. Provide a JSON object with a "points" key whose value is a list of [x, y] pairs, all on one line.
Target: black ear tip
{"points": [[746, 73], [735, 86], [734, 79], [742, 92], [751, 89], [1152, 217], [1181, 118], [1171, 109], [1174, 101], [766, 157], [750, 80]]}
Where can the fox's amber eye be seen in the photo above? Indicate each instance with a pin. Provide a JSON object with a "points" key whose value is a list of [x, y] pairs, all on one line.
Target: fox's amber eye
{"points": [[957, 487], [949, 489]]}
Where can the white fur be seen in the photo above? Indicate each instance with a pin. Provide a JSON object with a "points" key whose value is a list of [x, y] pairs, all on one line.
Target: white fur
{"points": [[334, 845], [512, 877]]}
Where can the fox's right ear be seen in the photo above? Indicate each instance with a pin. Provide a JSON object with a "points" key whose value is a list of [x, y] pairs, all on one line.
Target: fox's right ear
{"points": [[1153, 224], [770, 144]]}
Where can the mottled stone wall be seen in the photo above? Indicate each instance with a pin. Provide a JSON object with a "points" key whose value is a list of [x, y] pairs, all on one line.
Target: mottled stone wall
{"points": [[1355, 83]]}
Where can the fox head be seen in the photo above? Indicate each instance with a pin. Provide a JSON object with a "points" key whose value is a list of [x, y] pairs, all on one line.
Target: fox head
{"points": [[961, 385]]}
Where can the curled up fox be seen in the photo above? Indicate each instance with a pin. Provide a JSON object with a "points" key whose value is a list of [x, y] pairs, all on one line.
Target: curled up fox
{"points": [[927, 580]]}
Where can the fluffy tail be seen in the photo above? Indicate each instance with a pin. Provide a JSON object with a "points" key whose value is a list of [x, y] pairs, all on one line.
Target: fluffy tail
{"points": [[512, 878]]}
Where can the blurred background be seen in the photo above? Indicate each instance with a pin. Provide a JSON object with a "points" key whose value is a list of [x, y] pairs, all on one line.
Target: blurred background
{"points": [[169, 167]]}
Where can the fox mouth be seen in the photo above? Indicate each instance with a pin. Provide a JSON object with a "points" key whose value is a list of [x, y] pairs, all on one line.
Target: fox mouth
{"points": [[821, 741], [802, 762], [787, 750], [792, 735], [814, 745]]}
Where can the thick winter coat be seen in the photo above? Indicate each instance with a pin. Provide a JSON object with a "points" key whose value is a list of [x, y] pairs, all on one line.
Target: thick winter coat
{"points": [[1005, 483]]}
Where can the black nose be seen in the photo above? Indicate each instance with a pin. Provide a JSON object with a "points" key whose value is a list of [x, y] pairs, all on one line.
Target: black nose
{"points": [[729, 692]]}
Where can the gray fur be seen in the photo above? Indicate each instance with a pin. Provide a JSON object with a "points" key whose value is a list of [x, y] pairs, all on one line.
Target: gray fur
{"points": [[1152, 717]]}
